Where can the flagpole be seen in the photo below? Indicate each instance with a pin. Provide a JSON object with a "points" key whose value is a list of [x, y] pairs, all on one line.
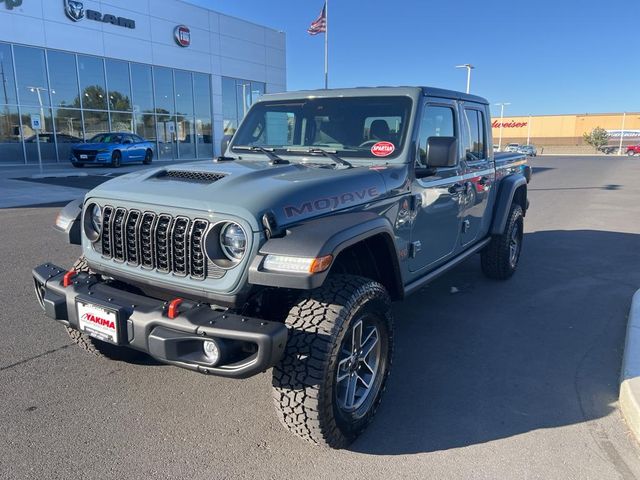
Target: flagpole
{"points": [[326, 46]]}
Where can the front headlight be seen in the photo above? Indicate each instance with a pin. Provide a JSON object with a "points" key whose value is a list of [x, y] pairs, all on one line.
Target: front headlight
{"points": [[93, 222], [233, 241], [96, 218]]}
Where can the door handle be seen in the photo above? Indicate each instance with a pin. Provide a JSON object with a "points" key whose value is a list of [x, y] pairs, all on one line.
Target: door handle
{"points": [[456, 188]]}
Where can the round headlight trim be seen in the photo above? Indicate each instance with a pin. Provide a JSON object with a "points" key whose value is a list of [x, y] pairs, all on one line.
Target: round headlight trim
{"points": [[93, 222]]}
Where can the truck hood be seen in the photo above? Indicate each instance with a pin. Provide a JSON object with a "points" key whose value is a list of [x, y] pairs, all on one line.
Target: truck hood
{"points": [[248, 189]]}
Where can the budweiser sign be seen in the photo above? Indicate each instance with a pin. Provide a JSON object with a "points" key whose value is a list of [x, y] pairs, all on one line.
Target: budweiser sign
{"points": [[510, 124]]}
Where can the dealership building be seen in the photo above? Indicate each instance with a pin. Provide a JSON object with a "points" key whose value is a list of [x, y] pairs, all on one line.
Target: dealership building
{"points": [[565, 132], [176, 74]]}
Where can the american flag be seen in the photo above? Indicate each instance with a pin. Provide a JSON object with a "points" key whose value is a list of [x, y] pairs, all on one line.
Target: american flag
{"points": [[319, 25]]}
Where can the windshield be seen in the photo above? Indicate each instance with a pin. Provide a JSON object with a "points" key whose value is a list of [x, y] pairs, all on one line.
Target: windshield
{"points": [[368, 127], [105, 138]]}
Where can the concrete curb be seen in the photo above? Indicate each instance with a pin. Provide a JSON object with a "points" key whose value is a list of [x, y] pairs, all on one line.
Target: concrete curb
{"points": [[630, 376]]}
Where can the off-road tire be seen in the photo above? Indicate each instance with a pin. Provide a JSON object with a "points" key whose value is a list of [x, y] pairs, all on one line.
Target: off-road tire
{"points": [[97, 347], [305, 383], [496, 258]]}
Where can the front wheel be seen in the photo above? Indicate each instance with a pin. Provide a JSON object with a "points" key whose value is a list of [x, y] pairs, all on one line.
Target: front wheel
{"points": [[500, 258], [329, 383], [116, 159], [631, 153]]}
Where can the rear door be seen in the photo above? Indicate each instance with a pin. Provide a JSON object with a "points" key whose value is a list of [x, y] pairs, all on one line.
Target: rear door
{"points": [[478, 171], [436, 229]]}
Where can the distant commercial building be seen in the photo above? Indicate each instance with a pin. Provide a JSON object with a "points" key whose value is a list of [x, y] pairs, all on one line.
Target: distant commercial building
{"points": [[174, 73], [567, 130]]}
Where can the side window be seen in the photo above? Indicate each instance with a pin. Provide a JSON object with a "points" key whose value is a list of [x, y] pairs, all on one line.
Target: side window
{"points": [[437, 121], [475, 145]]}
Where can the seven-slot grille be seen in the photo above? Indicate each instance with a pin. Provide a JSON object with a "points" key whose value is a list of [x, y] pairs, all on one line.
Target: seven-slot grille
{"points": [[154, 241]]}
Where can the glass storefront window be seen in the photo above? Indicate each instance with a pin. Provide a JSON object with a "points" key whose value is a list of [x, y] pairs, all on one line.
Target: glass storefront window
{"points": [[167, 135], [184, 93], [186, 137], [95, 123], [204, 137], [142, 83], [145, 127], [163, 82], [68, 124], [121, 122], [202, 94], [119, 87], [63, 78], [10, 139], [31, 72], [229, 106], [78, 96], [47, 140], [237, 97], [92, 87], [8, 91]]}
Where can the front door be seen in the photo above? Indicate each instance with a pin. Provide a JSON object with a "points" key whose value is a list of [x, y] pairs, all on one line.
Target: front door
{"points": [[436, 229], [479, 172]]}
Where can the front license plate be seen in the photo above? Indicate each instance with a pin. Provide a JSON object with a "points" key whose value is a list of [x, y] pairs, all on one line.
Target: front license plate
{"points": [[84, 157], [98, 322]]}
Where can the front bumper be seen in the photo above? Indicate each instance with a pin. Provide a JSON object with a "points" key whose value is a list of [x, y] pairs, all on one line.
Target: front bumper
{"points": [[247, 345]]}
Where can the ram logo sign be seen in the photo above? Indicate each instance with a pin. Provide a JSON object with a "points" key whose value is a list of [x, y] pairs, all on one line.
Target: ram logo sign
{"points": [[74, 10]]}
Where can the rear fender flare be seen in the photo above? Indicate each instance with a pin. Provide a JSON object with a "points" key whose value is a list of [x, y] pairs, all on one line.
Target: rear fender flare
{"points": [[506, 193]]}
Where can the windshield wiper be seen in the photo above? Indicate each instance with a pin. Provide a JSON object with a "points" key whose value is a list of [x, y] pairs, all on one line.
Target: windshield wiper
{"points": [[326, 153], [275, 159]]}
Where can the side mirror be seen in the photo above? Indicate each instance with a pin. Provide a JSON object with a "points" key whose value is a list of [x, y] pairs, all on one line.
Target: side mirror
{"points": [[442, 152], [224, 145]]}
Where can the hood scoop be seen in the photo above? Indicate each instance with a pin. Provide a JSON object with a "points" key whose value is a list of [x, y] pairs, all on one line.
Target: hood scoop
{"points": [[190, 176]]}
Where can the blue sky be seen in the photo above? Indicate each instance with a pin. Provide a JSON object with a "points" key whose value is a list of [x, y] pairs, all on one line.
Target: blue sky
{"points": [[544, 56]]}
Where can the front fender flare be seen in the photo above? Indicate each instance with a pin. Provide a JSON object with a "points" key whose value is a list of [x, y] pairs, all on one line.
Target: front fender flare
{"points": [[317, 238], [68, 221]]}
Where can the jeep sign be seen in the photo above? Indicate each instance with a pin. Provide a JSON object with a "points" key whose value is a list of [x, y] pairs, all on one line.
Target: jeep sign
{"points": [[11, 4], [75, 11]]}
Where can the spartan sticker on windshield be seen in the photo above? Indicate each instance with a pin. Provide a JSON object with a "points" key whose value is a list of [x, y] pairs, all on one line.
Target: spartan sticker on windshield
{"points": [[383, 149]]}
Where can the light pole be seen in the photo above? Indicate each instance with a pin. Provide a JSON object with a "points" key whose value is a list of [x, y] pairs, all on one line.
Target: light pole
{"points": [[624, 117], [469, 67], [501, 105], [38, 91], [529, 131]]}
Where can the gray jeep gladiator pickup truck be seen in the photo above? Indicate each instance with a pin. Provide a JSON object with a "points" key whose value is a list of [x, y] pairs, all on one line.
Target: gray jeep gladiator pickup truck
{"points": [[287, 251]]}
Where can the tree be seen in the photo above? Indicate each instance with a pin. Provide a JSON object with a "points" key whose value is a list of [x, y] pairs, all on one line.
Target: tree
{"points": [[597, 138]]}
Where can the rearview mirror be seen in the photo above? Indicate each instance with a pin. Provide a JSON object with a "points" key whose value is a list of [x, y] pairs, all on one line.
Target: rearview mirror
{"points": [[442, 152]]}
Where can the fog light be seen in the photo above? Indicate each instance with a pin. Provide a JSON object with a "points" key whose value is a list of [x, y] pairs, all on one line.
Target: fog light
{"points": [[211, 351]]}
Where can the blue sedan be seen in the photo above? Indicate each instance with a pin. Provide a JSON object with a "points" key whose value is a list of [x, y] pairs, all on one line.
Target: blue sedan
{"points": [[112, 149]]}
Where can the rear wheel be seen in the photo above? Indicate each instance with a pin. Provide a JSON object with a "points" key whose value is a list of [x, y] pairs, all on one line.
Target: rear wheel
{"points": [[631, 153], [500, 258], [330, 381], [95, 346], [148, 157], [116, 159]]}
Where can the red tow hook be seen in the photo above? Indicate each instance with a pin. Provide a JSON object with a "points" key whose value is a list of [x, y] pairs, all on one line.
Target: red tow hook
{"points": [[67, 279], [172, 311]]}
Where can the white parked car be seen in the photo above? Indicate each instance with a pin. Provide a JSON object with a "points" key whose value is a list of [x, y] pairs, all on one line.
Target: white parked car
{"points": [[512, 147]]}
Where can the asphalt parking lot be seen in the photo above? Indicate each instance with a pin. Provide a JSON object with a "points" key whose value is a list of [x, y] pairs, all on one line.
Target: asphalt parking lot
{"points": [[498, 380]]}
